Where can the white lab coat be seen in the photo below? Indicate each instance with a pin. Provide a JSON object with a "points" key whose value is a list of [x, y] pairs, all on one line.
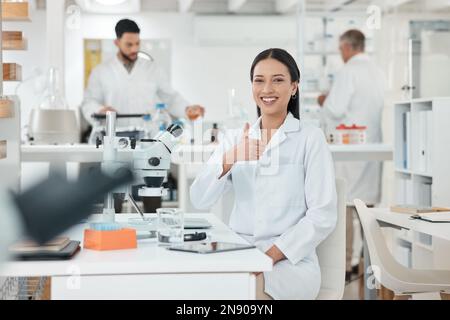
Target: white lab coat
{"points": [[287, 198], [136, 92], [357, 97]]}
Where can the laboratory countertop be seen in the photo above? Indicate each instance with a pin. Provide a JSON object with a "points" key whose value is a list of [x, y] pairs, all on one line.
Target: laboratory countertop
{"points": [[362, 152], [148, 258], [89, 153], [440, 230]]}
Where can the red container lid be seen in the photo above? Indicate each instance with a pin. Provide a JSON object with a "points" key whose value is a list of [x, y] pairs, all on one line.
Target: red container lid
{"points": [[352, 127]]}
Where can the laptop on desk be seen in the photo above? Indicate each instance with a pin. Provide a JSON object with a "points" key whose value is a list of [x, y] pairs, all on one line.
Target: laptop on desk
{"points": [[189, 223]]}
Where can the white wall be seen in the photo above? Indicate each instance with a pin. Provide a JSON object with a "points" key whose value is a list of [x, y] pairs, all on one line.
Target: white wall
{"points": [[202, 74]]}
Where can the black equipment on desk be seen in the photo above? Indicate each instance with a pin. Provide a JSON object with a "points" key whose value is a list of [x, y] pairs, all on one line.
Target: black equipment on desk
{"points": [[64, 254], [100, 116], [195, 236]]}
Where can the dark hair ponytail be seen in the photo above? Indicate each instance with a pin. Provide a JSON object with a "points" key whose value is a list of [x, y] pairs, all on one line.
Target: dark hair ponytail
{"points": [[285, 58]]}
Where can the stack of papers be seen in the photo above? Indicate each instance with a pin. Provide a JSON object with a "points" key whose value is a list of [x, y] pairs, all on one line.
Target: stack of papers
{"points": [[411, 209], [431, 214], [433, 217]]}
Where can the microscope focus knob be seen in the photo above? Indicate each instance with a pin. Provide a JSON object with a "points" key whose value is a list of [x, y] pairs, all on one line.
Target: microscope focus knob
{"points": [[154, 161], [133, 143], [98, 142]]}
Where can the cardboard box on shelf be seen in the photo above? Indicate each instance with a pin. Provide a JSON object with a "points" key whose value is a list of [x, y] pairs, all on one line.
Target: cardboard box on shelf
{"points": [[12, 72], [14, 10], [6, 108], [2, 149], [13, 40], [14, 44], [12, 35]]}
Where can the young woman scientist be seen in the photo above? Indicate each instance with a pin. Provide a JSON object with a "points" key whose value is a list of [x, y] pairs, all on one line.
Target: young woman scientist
{"points": [[283, 179]]}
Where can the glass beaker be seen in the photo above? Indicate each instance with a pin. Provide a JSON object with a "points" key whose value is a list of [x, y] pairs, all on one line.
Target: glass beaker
{"points": [[53, 97], [170, 226]]}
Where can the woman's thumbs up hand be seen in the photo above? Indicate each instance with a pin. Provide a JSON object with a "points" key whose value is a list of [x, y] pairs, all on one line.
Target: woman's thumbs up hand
{"points": [[247, 149]]}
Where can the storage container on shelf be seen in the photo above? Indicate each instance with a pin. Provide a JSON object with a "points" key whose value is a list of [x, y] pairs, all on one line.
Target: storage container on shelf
{"points": [[349, 134]]}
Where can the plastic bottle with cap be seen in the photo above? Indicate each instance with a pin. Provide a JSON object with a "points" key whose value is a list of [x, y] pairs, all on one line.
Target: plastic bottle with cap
{"points": [[214, 133], [161, 117], [149, 126]]}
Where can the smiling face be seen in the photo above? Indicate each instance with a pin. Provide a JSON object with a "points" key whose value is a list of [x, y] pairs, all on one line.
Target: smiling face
{"points": [[272, 87]]}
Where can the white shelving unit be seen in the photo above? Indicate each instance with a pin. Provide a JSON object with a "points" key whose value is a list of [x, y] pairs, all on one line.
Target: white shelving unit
{"points": [[422, 173], [10, 146], [10, 106], [422, 170], [10, 152]]}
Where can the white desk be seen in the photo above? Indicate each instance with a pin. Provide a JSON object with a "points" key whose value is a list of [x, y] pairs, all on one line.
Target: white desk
{"points": [[151, 272], [64, 153], [362, 152], [401, 220], [89, 153], [439, 231]]}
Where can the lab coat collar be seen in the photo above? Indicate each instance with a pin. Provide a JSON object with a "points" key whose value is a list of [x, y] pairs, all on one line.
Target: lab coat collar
{"points": [[290, 124], [120, 65], [359, 57]]}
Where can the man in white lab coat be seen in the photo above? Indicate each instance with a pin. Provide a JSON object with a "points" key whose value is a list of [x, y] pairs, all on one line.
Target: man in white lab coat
{"points": [[356, 97], [130, 84]]}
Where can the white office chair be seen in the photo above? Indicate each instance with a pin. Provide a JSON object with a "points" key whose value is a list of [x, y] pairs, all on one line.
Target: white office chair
{"points": [[331, 253], [391, 274]]}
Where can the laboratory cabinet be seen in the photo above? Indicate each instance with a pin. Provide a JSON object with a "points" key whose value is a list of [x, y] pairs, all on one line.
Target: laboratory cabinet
{"points": [[422, 175]]}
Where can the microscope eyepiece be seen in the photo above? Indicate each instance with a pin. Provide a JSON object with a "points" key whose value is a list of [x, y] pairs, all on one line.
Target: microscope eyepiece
{"points": [[175, 129]]}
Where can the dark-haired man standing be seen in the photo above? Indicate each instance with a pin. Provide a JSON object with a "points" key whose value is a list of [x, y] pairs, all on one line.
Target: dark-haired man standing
{"points": [[127, 83], [130, 84]]}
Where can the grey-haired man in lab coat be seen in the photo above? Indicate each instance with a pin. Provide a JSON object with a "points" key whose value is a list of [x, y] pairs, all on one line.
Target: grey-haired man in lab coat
{"points": [[356, 97]]}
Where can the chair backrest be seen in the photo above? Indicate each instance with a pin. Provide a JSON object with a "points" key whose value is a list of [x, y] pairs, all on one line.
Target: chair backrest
{"points": [[331, 252], [384, 267]]}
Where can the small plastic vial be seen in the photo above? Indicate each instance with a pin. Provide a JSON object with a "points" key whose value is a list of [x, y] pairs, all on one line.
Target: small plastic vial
{"points": [[214, 133]]}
